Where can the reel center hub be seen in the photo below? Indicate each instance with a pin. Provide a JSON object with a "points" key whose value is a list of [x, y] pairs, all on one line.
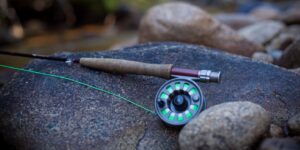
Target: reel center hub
{"points": [[180, 102]]}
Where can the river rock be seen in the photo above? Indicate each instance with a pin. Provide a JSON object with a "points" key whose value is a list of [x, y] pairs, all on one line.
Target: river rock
{"points": [[281, 42], [233, 125], [275, 131], [182, 22], [280, 144], [235, 20], [259, 56], [293, 30], [294, 125], [290, 57], [38, 112], [292, 15], [265, 12], [262, 32]]}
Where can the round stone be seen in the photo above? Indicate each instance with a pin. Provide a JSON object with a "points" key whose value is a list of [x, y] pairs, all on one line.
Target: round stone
{"points": [[232, 125]]}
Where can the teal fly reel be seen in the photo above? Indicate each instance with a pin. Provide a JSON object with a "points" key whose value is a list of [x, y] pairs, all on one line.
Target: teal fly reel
{"points": [[178, 101]]}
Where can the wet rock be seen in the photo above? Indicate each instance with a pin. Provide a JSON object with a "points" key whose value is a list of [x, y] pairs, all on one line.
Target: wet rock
{"points": [[281, 42], [262, 32], [265, 12], [290, 57], [233, 125], [38, 112], [259, 56], [294, 125], [280, 144], [236, 21], [292, 15], [275, 131], [182, 22]]}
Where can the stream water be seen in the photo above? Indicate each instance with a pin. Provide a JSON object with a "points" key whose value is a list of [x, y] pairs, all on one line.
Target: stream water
{"points": [[88, 38]]}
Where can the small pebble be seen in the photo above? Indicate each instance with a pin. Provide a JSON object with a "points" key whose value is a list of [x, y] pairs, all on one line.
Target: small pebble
{"points": [[260, 56], [275, 131]]}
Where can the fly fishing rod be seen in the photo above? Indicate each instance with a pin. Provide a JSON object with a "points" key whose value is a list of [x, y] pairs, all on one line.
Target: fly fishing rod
{"points": [[177, 101]]}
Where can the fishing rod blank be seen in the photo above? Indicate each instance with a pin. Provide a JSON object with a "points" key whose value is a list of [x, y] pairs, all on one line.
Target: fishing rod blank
{"points": [[33, 56], [122, 66]]}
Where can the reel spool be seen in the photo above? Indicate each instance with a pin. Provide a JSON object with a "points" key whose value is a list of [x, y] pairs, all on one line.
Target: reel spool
{"points": [[178, 101]]}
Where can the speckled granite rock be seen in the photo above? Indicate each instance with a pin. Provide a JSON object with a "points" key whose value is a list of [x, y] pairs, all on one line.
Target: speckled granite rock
{"points": [[39, 112]]}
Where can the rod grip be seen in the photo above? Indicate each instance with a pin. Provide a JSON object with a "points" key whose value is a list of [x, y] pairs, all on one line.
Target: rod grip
{"points": [[121, 66]]}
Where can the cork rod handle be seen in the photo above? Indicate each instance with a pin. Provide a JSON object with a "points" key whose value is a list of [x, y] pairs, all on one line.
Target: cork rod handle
{"points": [[121, 66]]}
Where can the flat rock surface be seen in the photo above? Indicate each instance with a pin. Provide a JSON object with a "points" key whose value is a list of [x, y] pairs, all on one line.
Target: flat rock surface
{"points": [[38, 112]]}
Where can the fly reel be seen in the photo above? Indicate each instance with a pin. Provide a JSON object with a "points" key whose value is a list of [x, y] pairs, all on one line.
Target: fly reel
{"points": [[178, 101]]}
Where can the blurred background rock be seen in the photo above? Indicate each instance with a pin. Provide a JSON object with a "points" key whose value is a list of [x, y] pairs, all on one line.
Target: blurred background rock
{"points": [[49, 26]]}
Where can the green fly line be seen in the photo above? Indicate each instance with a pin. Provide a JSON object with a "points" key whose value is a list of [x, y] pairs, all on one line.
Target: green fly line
{"points": [[80, 83]]}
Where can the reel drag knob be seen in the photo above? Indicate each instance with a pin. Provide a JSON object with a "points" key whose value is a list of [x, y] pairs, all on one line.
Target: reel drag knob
{"points": [[178, 101]]}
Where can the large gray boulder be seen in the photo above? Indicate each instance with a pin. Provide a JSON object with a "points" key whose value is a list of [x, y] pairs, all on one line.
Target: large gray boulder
{"points": [[38, 112]]}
